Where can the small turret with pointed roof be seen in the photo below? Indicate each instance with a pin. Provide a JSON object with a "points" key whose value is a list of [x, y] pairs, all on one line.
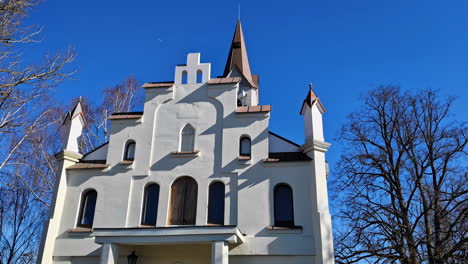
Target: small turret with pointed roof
{"points": [[238, 59], [312, 110], [73, 126]]}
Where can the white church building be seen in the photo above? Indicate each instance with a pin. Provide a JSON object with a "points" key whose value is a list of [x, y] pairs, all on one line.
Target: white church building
{"points": [[197, 177]]}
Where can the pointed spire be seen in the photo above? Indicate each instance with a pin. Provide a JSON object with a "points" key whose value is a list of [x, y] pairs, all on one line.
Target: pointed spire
{"points": [[238, 56]]}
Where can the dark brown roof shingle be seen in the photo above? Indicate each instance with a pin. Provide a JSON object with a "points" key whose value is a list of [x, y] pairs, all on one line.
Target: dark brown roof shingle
{"points": [[287, 157], [126, 115], [224, 80], [253, 109], [157, 85], [89, 164]]}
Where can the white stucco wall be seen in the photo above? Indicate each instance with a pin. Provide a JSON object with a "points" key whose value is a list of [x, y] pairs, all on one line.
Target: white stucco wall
{"points": [[210, 109]]}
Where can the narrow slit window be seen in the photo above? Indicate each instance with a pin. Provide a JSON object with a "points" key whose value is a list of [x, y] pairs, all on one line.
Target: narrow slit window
{"points": [[245, 147], [216, 204], [130, 151], [88, 206], [187, 139], [184, 77], [150, 205], [283, 206], [199, 76]]}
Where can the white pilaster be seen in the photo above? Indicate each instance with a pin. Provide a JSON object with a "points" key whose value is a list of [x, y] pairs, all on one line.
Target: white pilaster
{"points": [[109, 254], [219, 252], [66, 158]]}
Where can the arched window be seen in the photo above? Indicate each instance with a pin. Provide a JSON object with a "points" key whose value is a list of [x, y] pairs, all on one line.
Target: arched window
{"points": [[245, 146], [150, 205], [199, 76], [187, 138], [184, 77], [216, 204], [130, 151], [88, 206], [283, 206], [183, 210]]}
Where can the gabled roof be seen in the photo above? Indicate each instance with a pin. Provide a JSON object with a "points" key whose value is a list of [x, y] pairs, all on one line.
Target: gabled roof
{"points": [[237, 57]]}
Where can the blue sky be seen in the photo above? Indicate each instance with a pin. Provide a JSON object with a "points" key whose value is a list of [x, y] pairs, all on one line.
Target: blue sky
{"points": [[343, 47]]}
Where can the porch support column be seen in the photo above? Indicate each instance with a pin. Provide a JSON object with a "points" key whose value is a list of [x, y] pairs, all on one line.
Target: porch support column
{"points": [[219, 252], [109, 253]]}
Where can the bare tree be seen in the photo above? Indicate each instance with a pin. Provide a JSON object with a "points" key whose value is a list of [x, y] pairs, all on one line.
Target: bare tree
{"points": [[402, 180], [20, 220], [24, 88], [124, 97]]}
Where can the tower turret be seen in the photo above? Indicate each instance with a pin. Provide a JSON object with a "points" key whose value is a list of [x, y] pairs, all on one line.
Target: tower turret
{"points": [[312, 110], [73, 126], [315, 147]]}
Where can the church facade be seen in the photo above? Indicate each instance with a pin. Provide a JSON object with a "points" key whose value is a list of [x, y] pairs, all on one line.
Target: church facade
{"points": [[197, 177]]}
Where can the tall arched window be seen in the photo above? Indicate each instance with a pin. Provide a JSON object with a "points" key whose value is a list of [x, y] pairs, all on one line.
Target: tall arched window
{"points": [[187, 138], [88, 206], [184, 77], [216, 204], [183, 210], [245, 146], [150, 205], [283, 205], [199, 76], [129, 153]]}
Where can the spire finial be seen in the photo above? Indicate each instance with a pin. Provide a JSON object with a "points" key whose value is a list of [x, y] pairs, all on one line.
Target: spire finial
{"points": [[310, 86], [238, 11]]}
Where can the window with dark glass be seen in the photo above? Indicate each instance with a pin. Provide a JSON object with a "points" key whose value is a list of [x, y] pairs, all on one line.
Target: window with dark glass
{"points": [[283, 206], [216, 204], [130, 151], [88, 206], [245, 147], [183, 207], [150, 205]]}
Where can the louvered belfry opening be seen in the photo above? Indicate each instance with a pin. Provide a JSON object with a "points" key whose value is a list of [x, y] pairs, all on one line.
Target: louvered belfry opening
{"points": [[183, 210]]}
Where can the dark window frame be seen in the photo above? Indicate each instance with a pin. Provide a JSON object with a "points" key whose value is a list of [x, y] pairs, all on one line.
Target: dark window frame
{"points": [[85, 203], [127, 147], [144, 212], [213, 202], [245, 154], [276, 209]]}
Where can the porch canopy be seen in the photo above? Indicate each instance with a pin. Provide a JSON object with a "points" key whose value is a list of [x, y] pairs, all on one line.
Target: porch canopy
{"points": [[165, 235]]}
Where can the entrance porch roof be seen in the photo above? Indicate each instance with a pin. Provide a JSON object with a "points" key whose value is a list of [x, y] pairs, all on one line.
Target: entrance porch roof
{"points": [[167, 235]]}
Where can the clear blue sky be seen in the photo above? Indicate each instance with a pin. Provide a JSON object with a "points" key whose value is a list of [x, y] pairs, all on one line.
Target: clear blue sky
{"points": [[343, 47]]}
